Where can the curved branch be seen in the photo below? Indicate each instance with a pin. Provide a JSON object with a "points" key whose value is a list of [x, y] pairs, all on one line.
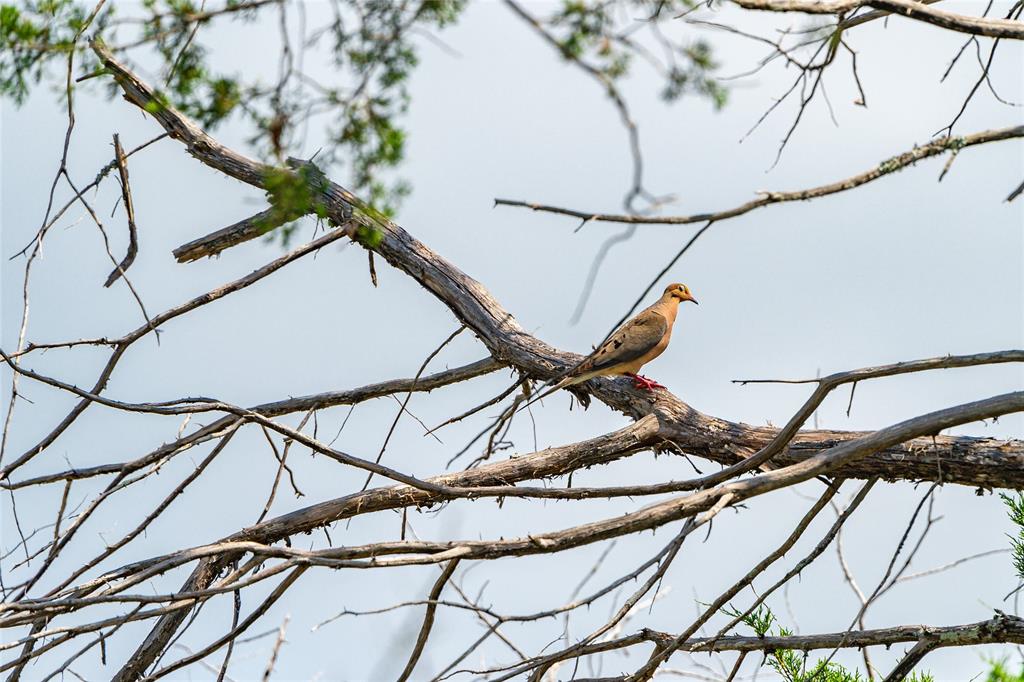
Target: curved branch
{"points": [[891, 165], [912, 9], [637, 188], [428, 619]]}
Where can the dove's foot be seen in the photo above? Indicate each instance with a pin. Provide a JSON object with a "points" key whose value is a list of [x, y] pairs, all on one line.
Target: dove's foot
{"points": [[644, 383]]}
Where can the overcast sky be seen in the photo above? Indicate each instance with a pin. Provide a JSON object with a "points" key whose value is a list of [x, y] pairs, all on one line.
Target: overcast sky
{"points": [[900, 269]]}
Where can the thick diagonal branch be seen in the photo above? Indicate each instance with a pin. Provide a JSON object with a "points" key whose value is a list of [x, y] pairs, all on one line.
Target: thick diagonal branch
{"points": [[971, 461]]}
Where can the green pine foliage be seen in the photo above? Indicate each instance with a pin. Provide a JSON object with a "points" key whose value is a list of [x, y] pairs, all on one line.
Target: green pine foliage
{"points": [[999, 672], [1015, 508], [796, 666]]}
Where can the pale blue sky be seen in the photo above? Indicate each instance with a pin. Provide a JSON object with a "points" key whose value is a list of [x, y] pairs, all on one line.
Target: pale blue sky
{"points": [[900, 269]]}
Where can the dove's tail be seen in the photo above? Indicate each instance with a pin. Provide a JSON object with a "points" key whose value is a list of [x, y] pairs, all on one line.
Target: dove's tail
{"points": [[567, 381]]}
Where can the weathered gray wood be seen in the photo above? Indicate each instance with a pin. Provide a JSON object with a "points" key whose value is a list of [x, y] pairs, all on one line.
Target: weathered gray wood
{"points": [[663, 420], [232, 235]]}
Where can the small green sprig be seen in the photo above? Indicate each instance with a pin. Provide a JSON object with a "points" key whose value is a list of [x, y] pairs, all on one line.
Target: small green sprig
{"points": [[793, 666]]}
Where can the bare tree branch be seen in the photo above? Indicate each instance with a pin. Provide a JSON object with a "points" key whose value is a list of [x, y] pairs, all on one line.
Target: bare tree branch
{"points": [[509, 343], [1000, 628], [244, 230], [129, 209], [760, 460], [428, 619], [891, 165], [912, 9]]}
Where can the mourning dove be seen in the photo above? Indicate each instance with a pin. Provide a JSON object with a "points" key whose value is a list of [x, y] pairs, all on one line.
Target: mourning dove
{"points": [[634, 344]]}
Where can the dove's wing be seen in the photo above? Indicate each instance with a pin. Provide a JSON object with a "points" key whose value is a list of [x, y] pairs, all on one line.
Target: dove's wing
{"points": [[630, 342]]}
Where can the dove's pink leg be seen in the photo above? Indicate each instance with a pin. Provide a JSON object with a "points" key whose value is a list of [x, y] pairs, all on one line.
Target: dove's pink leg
{"points": [[644, 383]]}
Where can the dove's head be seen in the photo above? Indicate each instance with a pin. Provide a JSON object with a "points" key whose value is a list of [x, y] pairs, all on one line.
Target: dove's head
{"points": [[679, 293]]}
